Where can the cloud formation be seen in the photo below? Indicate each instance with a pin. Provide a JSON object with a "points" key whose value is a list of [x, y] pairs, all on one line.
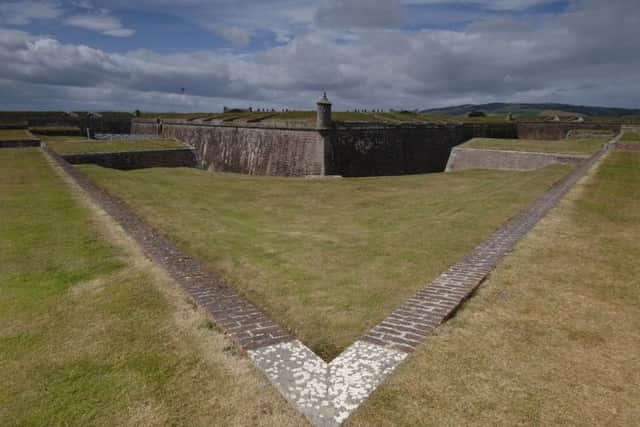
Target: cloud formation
{"points": [[101, 22], [23, 12], [582, 55]]}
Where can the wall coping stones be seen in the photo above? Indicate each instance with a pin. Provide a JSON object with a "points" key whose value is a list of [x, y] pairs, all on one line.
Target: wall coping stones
{"points": [[327, 394], [308, 126]]}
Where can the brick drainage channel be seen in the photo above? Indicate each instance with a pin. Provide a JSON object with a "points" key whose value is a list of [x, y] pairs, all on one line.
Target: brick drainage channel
{"points": [[327, 394]]}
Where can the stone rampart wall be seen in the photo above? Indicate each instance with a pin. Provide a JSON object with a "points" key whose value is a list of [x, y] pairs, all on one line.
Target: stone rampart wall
{"points": [[401, 150], [251, 150], [470, 158], [20, 143], [145, 127], [136, 159]]}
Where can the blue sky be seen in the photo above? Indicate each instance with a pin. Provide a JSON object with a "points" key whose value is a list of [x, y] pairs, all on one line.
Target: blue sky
{"points": [[85, 54]]}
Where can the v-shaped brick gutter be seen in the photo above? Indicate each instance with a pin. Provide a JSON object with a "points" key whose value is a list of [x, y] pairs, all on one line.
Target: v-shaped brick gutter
{"points": [[327, 394]]}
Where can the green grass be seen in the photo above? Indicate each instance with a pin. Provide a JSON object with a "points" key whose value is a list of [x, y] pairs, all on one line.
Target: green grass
{"points": [[92, 334], [564, 146], [630, 137], [66, 145], [327, 258], [551, 338], [14, 135]]}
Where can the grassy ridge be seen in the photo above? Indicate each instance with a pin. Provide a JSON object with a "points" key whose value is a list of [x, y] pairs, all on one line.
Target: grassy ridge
{"points": [[564, 146], [327, 258], [551, 338], [73, 145]]}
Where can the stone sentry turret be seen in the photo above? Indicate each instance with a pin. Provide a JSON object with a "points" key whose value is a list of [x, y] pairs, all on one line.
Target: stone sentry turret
{"points": [[324, 113]]}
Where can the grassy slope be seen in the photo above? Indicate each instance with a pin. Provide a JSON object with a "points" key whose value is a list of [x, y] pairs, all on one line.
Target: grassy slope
{"points": [[87, 338], [328, 259], [566, 146], [14, 135], [552, 337], [67, 145]]}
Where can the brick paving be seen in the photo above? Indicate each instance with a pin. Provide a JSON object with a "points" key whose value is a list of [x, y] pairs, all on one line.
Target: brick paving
{"points": [[243, 322], [417, 317]]}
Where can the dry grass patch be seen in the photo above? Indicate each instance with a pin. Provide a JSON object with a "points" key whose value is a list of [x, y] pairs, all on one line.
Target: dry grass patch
{"points": [[552, 337]]}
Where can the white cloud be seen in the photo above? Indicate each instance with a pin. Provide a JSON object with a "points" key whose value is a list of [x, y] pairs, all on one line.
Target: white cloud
{"points": [[579, 56], [103, 23], [23, 12]]}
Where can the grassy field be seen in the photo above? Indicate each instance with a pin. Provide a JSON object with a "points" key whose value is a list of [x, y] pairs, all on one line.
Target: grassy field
{"points": [[630, 137], [88, 337], [14, 135], [327, 258], [74, 145], [564, 146], [551, 338]]}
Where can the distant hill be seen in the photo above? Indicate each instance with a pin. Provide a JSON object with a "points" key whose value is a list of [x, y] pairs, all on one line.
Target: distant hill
{"points": [[533, 110]]}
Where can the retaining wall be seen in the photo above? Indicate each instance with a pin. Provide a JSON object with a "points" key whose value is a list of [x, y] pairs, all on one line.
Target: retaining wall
{"points": [[347, 150], [559, 130], [362, 149], [471, 158], [400, 150], [252, 150], [20, 144], [145, 127], [130, 160]]}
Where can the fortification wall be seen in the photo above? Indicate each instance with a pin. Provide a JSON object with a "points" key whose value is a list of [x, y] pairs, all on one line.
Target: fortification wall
{"points": [[251, 150], [470, 158], [20, 143], [131, 160], [559, 130], [399, 150], [145, 127]]}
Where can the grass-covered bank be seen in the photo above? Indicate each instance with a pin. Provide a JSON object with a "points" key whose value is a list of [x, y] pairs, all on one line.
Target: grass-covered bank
{"points": [[76, 145], [92, 334], [562, 146], [327, 258], [551, 338]]}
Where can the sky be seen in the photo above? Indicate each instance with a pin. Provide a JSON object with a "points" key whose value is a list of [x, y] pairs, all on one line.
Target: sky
{"points": [[201, 55]]}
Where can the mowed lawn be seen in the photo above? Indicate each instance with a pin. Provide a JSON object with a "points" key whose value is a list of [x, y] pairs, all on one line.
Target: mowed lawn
{"points": [[327, 258], [552, 337], [563, 146], [75, 145], [93, 334]]}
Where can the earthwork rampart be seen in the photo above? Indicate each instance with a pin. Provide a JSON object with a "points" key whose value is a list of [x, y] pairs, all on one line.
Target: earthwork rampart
{"points": [[351, 150], [560, 130]]}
